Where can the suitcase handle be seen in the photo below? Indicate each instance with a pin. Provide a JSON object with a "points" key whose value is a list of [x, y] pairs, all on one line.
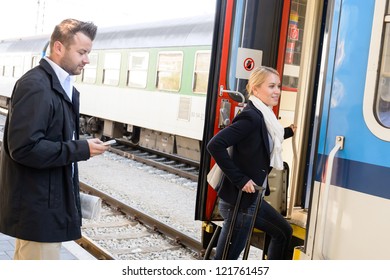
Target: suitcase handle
{"points": [[260, 196]]}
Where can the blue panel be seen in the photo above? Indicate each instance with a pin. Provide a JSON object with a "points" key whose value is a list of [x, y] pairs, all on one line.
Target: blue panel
{"points": [[333, 33], [345, 84], [358, 176]]}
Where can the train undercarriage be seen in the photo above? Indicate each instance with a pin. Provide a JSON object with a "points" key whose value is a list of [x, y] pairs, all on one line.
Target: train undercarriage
{"points": [[155, 140]]}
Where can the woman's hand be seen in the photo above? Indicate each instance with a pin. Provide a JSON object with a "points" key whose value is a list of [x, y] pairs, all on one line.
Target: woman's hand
{"points": [[293, 127], [249, 187]]}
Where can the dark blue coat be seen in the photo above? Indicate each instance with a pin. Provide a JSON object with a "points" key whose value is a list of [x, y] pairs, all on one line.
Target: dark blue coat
{"points": [[250, 158], [39, 197]]}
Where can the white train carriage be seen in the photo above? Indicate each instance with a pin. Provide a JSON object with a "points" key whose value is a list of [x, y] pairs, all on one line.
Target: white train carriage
{"points": [[145, 83]]}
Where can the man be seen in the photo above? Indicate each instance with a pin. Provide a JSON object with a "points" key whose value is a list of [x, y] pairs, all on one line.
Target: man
{"points": [[39, 187]]}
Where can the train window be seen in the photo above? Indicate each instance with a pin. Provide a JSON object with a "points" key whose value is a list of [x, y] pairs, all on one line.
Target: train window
{"points": [[2, 66], [383, 94], [294, 44], [112, 63], [8, 67], [89, 72], [169, 71], [201, 72], [17, 67], [138, 69], [35, 60], [376, 103]]}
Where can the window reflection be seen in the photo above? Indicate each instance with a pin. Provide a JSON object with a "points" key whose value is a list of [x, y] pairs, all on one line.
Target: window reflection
{"points": [[383, 93]]}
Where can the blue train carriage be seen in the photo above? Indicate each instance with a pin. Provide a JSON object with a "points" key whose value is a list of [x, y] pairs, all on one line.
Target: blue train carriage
{"points": [[351, 189], [145, 83], [333, 57]]}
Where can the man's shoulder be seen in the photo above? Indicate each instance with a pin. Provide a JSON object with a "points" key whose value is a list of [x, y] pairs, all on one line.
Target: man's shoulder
{"points": [[41, 69], [38, 72]]}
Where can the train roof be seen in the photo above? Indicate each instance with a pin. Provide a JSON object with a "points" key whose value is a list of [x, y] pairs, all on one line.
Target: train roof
{"points": [[180, 32], [195, 31], [26, 44]]}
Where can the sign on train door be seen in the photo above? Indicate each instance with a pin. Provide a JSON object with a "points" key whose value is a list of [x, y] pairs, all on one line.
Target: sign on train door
{"points": [[247, 60]]}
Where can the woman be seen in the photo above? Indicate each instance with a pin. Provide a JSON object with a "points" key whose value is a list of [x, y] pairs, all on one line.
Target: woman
{"points": [[256, 137]]}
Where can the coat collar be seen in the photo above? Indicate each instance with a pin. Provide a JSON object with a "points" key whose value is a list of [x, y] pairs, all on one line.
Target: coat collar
{"points": [[54, 79]]}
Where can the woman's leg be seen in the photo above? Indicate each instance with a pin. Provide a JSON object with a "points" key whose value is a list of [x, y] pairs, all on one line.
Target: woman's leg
{"points": [[277, 227], [240, 232]]}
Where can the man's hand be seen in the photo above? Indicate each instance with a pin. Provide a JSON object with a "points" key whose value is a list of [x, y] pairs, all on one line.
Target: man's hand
{"points": [[96, 147]]}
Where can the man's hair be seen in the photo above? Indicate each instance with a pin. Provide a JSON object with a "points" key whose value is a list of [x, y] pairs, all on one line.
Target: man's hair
{"points": [[65, 31]]}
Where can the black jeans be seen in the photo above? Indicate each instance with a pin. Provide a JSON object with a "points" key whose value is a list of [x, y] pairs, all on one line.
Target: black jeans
{"points": [[267, 219]]}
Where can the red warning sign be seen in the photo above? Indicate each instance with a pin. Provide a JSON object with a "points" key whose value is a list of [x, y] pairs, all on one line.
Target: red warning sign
{"points": [[293, 32], [249, 64]]}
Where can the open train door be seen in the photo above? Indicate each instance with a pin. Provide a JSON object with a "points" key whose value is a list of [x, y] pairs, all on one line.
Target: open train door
{"points": [[247, 34]]}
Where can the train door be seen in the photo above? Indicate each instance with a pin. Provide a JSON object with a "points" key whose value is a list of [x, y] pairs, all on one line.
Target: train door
{"points": [[281, 34], [235, 50], [351, 167]]}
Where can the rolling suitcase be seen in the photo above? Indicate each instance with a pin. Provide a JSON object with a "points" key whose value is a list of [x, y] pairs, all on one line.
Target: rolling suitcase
{"points": [[260, 197]]}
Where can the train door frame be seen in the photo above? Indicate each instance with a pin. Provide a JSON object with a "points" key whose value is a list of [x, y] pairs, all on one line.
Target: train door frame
{"points": [[306, 107], [219, 71], [305, 110]]}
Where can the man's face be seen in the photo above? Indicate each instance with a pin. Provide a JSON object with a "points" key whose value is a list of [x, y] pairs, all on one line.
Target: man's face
{"points": [[75, 55]]}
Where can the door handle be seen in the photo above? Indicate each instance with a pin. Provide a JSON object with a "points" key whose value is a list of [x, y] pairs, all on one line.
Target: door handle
{"points": [[338, 146]]}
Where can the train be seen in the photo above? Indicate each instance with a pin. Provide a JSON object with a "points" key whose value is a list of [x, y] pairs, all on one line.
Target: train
{"points": [[146, 83], [333, 58], [171, 86]]}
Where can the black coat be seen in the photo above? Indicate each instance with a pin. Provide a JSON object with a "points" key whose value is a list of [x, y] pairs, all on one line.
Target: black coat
{"points": [[250, 158], [39, 197]]}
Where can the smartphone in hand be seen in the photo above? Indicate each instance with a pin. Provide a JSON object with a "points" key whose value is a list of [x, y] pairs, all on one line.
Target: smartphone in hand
{"points": [[109, 142]]}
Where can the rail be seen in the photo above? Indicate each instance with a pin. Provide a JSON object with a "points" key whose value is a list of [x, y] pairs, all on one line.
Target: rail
{"points": [[339, 146]]}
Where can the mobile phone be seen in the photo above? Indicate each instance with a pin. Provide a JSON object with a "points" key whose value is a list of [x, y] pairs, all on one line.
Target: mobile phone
{"points": [[109, 142]]}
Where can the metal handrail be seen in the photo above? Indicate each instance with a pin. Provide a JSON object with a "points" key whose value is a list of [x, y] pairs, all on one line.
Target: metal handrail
{"points": [[339, 146]]}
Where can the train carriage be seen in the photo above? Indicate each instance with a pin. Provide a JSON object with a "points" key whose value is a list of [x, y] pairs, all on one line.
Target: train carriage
{"points": [[333, 57], [171, 86], [146, 83]]}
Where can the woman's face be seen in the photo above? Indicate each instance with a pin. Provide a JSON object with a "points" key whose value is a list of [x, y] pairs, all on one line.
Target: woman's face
{"points": [[269, 91]]}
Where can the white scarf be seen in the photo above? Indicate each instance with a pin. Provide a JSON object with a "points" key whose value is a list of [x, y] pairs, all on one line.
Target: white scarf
{"points": [[275, 130]]}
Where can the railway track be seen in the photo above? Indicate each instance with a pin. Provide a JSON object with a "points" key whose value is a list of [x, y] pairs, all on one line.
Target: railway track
{"points": [[122, 229], [126, 233], [179, 166], [176, 165]]}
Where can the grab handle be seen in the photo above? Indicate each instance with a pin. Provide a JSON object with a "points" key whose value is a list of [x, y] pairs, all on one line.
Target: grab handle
{"points": [[339, 146], [233, 94]]}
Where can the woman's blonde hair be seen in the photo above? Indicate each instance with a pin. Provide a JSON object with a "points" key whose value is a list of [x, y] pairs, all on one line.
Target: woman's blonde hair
{"points": [[258, 77]]}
